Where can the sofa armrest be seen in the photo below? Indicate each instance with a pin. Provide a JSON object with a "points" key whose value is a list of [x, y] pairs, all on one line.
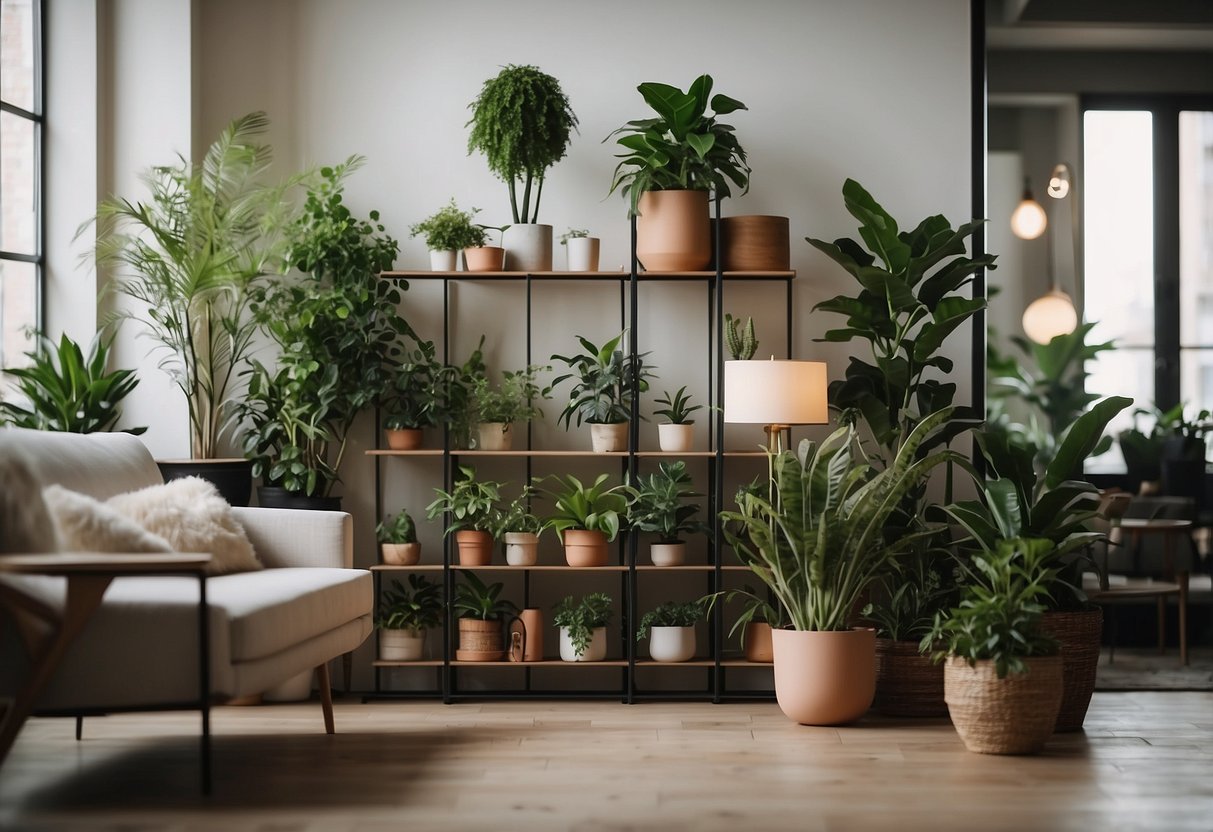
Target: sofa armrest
{"points": [[292, 537]]}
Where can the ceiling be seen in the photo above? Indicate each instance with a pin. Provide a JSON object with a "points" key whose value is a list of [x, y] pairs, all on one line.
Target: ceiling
{"points": [[1150, 25]]}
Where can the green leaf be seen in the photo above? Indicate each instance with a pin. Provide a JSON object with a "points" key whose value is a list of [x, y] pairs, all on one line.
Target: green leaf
{"points": [[1082, 438]]}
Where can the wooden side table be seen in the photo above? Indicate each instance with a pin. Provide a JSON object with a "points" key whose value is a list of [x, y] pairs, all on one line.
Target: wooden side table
{"points": [[88, 575]]}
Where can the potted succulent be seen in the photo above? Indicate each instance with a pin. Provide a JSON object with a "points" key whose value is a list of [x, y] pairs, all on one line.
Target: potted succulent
{"points": [[670, 628], [482, 615], [741, 341], [668, 166], [474, 508], [583, 627], [412, 399], [519, 529], [678, 434], [521, 121], [498, 408], [397, 536], [586, 518], [1002, 679], [582, 250], [404, 617], [658, 503], [447, 232], [601, 395], [196, 253]]}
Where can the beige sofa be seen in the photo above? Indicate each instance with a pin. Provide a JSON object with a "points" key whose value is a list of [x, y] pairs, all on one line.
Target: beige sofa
{"points": [[139, 650]]}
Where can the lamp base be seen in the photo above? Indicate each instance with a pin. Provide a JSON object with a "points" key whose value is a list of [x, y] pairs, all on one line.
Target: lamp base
{"points": [[774, 434]]}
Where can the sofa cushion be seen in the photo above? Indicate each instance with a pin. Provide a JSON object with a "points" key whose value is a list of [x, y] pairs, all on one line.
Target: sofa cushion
{"points": [[98, 464], [25, 524], [87, 525]]}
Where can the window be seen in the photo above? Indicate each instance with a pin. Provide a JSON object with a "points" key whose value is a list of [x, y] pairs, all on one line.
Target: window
{"points": [[20, 176]]}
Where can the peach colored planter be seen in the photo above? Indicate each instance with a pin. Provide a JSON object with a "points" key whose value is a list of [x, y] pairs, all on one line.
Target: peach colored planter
{"points": [[757, 641], [403, 439], [475, 547], [484, 259], [673, 233], [401, 554], [530, 623], [585, 548], [824, 678]]}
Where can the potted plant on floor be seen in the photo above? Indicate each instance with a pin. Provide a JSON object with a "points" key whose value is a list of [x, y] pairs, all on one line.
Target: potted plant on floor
{"points": [[412, 398], [582, 250], [1002, 680], [583, 627], [519, 529], [601, 394], [482, 615], [670, 628], [447, 232], [678, 434], [658, 503], [586, 518], [474, 508], [195, 255], [404, 617], [668, 166], [521, 121], [498, 408], [397, 536]]}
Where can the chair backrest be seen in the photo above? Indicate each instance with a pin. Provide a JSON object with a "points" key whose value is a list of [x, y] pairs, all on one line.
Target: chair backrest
{"points": [[98, 464]]}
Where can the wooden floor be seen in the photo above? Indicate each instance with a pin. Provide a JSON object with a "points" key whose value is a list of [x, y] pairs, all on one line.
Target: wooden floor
{"points": [[1145, 762]]}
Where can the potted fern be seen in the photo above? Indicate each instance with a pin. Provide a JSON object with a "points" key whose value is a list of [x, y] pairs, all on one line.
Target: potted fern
{"points": [[658, 503], [601, 395], [397, 536], [670, 628], [586, 518], [474, 509], [447, 232], [583, 627], [405, 615], [678, 434]]}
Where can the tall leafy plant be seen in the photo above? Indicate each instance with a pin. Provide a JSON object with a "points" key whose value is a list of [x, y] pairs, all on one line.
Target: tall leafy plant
{"points": [[603, 378]]}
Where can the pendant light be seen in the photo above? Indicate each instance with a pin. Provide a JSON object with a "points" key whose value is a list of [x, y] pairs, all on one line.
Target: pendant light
{"points": [[1053, 313], [1029, 220]]}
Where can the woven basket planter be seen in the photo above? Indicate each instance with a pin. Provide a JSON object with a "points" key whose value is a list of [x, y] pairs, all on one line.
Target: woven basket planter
{"points": [[1014, 715], [1079, 634], [907, 682]]}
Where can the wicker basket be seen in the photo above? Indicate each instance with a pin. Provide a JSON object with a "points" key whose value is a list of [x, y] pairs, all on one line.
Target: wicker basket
{"points": [[907, 682], [1079, 634], [480, 640], [1014, 715]]}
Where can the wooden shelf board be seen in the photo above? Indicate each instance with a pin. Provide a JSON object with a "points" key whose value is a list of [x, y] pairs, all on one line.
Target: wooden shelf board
{"points": [[418, 274], [418, 452], [744, 663], [421, 663], [417, 567], [675, 454], [687, 663], [686, 567], [732, 567], [496, 567], [520, 454], [544, 663]]}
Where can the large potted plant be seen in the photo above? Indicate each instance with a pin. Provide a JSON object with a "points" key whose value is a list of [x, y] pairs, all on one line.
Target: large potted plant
{"points": [[412, 399], [521, 121], [498, 408], [658, 503], [583, 627], [482, 615], [818, 541], [601, 395], [586, 518], [447, 232], [191, 259], [670, 629], [473, 507], [669, 165], [404, 617]]}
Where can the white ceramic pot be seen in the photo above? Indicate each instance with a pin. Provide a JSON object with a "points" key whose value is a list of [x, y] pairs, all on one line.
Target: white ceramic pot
{"points": [[401, 645], [671, 644], [607, 438], [676, 439], [596, 652], [495, 436], [442, 261], [528, 247], [583, 254], [521, 548], [668, 554]]}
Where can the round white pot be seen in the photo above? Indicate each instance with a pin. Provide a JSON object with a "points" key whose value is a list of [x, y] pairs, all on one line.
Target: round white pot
{"points": [[442, 261], [675, 439], [521, 548], [583, 254], [495, 436], [668, 554], [607, 438], [528, 247], [401, 645], [596, 652], [671, 644]]}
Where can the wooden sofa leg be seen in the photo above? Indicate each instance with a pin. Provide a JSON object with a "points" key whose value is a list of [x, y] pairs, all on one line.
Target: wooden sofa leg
{"points": [[326, 697]]}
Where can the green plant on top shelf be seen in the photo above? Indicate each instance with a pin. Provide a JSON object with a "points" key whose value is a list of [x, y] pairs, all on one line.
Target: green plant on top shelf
{"points": [[472, 504], [658, 503], [671, 614], [581, 618], [450, 229], [476, 599], [602, 383], [593, 508], [573, 234], [514, 400], [741, 342], [677, 407], [397, 528], [417, 608]]}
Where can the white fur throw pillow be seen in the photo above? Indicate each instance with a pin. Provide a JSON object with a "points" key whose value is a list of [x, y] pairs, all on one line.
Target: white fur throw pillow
{"points": [[25, 525], [88, 525], [192, 517]]}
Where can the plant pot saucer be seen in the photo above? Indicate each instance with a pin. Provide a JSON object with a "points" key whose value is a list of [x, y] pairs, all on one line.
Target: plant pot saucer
{"points": [[479, 655]]}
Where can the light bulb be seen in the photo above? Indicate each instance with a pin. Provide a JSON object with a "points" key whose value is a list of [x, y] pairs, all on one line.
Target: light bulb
{"points": [[1029, 220], [1059, 181], [1050, 315]]}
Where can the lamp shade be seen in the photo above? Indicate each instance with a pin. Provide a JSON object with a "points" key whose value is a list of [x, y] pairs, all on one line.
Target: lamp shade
{"points": [[1050, 315], [775, 392], [1028, 221]]}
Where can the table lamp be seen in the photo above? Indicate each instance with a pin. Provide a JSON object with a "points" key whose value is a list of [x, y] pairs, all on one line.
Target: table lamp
{"points": [[777, 394]]}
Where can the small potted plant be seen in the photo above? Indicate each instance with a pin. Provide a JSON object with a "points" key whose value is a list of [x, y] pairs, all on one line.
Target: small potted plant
{"points": [[499, 408], [583, 627], [520, 529], [585, 518], [757, 618], [474, 509], [479, 256], [670, 628], [447, 232], [413, 398], [582, 249], [404, 617], [397, 536], [601, 395], [658, 503], [678, 434], [740, 339], [482, 615]]}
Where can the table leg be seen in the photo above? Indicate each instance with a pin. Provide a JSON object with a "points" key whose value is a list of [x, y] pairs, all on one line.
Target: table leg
{"points": [[1162, 624], [1183, 618], [204, 682]]}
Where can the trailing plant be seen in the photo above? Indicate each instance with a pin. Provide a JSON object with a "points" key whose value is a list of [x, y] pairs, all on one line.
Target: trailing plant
{"points": [[476, 599], [67, 390], [517, 516], [677, 408], [658, 503], [521, 122], [514, 400], [397, 528], [741, 342], [998, 618], [671, 614], [577, 506], [581, 618], [412, 397], [603, 381], [417, 608], [573, 234], [472, 504], [450, 229], [682, 148]]}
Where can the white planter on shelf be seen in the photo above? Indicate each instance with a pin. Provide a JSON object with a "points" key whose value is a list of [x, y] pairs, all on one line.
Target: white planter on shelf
{"points": [[495, 436], [595, 652], [443, 261], [607, 438], [583, 253], [671, 644], [668, 554], [521, 548], [528, 247], [676, 439], [401, 645]]}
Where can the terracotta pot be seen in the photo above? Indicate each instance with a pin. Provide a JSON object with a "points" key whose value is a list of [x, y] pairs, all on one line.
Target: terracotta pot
{"points": [[1079, 634], [907, 682], [1014, 715], [400, 554], [403, 439], [528, 247], [757, 641], [583, 254], [824, 678], [607, 438], [673, 233], [443, 261], [401, 645], [585, 548], [671, 644], [755, 243], [675, 439], [475, 547], [495, 436], [484, 259], [668, 554], [596, 651], [479, 641], [530, 623], [521, 548]]}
